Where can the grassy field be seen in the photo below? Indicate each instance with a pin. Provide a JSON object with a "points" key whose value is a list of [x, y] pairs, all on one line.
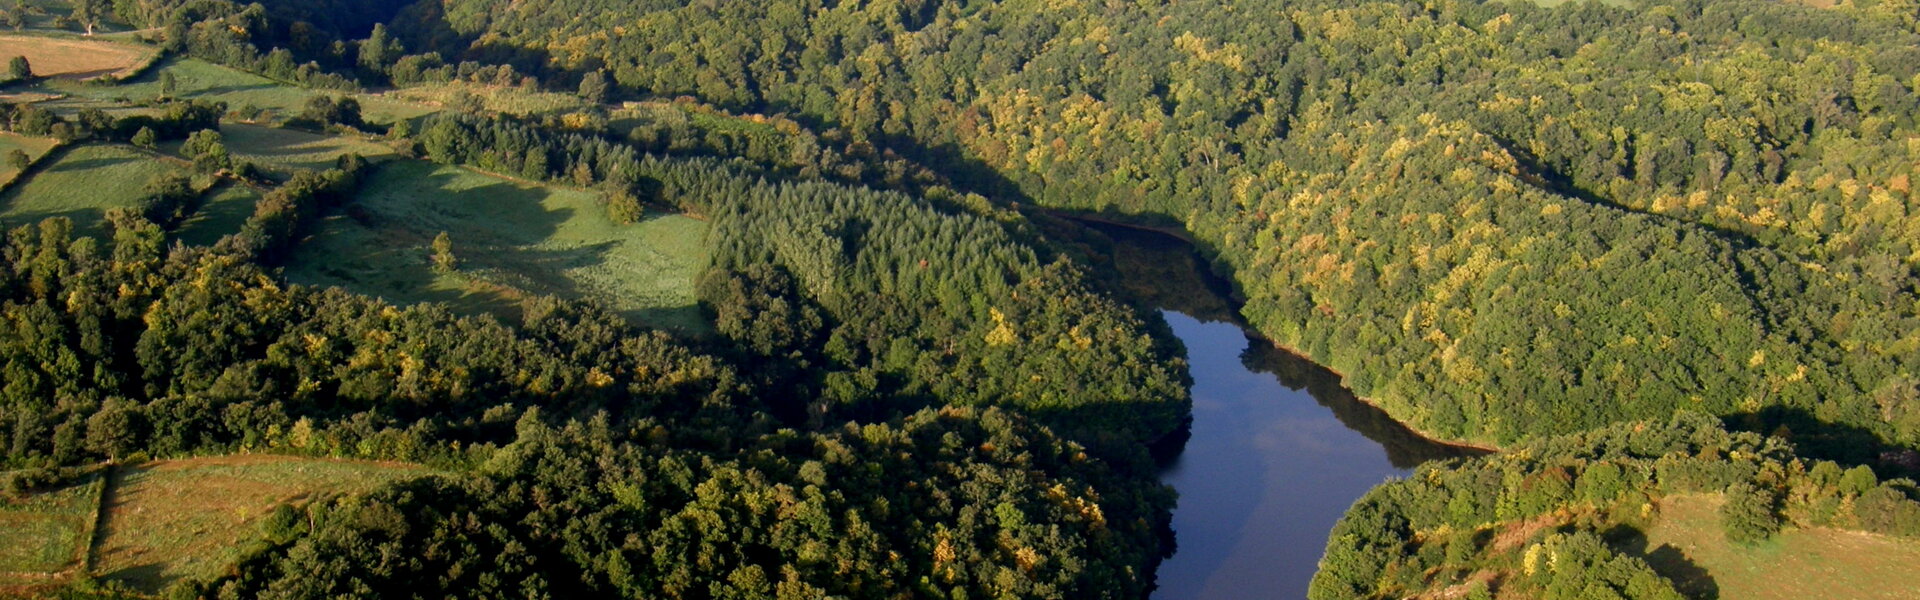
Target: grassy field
{"points": [[225, 209], [282, 150], [41, 14], [510, 100], [188, 518], [510, 237], [33, 146], [197, 79], [634, 114], [1553, 3], [72, 58], [46, 533], [82, 185], [1797, 563]]}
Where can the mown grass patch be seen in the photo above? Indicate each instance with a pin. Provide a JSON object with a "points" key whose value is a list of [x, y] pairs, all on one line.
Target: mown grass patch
{"points": [[82, 185], [74, 58], [170, 520], [511, 238], [45, 534], [1797, 563]]}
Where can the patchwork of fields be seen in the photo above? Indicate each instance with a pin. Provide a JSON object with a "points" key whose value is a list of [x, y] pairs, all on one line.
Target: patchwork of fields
{"points": [[172, 520], [195, 79]]}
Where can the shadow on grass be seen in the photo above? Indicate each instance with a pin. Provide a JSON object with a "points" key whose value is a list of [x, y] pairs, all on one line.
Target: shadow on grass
{"points": [[231, 89], [381, 245], [87, 222], [90, 163], [1670, 562]]}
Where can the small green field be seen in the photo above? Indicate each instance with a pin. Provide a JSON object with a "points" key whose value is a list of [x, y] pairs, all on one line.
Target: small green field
{"points": [[1797, 563], [33, 146], [188, 518], [511, 238], [504, 99], [1613, 3], [83, 183], [42, 13], [634, 114], [282, 150], [45, 534], [197, 79], [222, 212]]}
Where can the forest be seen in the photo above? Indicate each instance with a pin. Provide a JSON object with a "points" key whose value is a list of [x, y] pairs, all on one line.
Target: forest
{"points": [[1659, 254], [1705, 201]]}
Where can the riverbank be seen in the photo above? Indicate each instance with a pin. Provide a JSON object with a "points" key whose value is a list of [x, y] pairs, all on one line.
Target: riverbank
{"points": [[1222, 287]]}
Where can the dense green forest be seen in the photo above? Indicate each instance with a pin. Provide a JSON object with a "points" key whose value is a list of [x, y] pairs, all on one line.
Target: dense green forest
{"points": [[599, 432], [1499, 220], [1656, 252], [858, 325]]}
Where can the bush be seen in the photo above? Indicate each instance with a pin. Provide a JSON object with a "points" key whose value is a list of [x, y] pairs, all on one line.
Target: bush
{"points": [[623, 207], [1748, 516]]}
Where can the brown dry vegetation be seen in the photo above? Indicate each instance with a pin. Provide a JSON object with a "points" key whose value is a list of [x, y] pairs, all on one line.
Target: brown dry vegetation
{"points": [[74, 59]]}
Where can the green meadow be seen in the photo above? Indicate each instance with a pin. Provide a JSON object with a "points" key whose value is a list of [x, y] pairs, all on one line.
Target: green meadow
{"points": [[511, 238], [82, 184]]}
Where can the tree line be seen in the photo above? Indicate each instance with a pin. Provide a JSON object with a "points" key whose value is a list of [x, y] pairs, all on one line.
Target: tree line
{"points": [[1452, 519]]}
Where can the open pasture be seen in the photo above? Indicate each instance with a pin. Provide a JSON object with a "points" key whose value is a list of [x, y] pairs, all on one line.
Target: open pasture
{"points": [[286, 149], [504, 99], [511, 238], [198, 79], [1797, 563], [189, 518], [33, 146], [222, 211], [74, 58], [44, 535], [82, 184]]}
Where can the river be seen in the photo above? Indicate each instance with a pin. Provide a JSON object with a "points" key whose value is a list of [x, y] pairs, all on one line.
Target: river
{"points": [[1278, 449]]}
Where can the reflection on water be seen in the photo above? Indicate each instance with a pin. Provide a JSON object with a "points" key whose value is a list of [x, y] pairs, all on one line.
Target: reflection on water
{"points": [[1278, 449]]}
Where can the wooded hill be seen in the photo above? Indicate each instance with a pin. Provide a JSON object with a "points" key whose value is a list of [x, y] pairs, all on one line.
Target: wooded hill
{"points": [[1499, 220]]}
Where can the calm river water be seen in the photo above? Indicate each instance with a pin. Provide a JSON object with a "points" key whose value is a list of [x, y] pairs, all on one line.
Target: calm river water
{"points": [[1278, 450]]}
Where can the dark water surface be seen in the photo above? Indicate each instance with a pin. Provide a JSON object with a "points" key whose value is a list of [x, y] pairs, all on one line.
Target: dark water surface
{"points": [[1278, 450]]}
